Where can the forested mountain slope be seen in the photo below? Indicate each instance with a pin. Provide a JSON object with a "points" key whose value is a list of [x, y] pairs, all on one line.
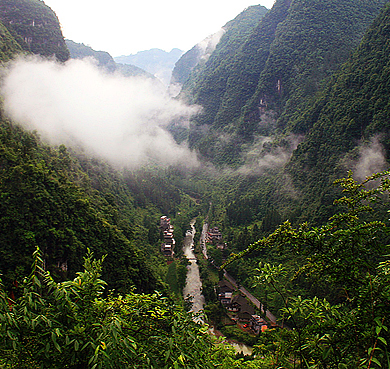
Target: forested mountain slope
{"points": [[104, 60], [35, 27], [221, 45], [349, 124], [66, 204], [275, 73], [8, 45], [47, 201]]}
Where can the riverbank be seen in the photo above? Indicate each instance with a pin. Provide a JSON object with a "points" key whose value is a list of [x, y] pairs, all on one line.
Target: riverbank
{"points": [[194, 288]]}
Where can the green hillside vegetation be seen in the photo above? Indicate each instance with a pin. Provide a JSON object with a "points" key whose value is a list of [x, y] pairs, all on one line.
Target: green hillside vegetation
{"points": [[310, 44], [296, 43], [329, 283], [352, 110], [47, 201], [104, 60], [8, 46], [190, 65], [83, 281], [35, 27], [81, 51]]}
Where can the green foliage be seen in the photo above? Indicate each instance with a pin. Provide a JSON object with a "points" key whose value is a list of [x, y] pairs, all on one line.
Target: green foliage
{"points": [[8, 45], [72, 325], [350, 255], [35, 27], [176, 276], [274, 73], [237, 334]]}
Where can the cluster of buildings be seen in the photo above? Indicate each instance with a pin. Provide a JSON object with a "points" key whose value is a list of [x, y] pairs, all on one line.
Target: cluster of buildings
{"points": [[214, 236], [239, 308], [168, 245]]}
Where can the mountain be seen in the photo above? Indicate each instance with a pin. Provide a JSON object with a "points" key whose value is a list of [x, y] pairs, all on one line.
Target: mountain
{"points": [[64, 202], [155, 61], [9, 47], [348, 124], [288, 107], [104, 59], [81, 51], [279, 68], [222, 44], [35, 27]]}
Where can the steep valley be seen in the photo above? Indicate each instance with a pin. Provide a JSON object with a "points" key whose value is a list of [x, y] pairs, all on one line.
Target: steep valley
{"points": [[271, 145]]}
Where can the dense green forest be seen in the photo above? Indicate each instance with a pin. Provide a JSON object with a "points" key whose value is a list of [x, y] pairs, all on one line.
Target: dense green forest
{"points": [[294, 124], [283, 61], [189, 67], [35, 27]]}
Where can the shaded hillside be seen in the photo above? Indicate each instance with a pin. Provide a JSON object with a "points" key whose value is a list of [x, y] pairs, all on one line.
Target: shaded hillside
{"points": [[349, 123], [104, 60], [81, 51], [221, 45], [35, 27], [47, 200], [8, 45], [296, 46]]}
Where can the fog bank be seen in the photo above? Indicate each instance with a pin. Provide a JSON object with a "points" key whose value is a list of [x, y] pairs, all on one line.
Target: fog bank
{"points": [[120, 119]]}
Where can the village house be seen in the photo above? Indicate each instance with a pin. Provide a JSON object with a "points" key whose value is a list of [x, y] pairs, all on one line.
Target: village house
{"points": [[225, 292], [257, 324], [165, 223], [241, 307], [167, 248], [214, 234]]}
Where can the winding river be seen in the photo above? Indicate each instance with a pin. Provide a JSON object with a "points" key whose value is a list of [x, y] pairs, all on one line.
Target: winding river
{"points": [[193, 285]]}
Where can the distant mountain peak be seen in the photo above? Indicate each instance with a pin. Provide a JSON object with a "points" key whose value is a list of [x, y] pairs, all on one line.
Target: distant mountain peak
{"points": [[158, 62]]}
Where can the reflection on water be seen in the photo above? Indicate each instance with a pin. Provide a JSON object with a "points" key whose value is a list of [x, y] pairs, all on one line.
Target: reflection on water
{"points": [[193, 285], [239, 347]]}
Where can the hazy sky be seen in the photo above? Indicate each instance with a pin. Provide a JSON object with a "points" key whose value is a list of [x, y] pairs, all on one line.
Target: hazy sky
{"points": [[124, 27]]}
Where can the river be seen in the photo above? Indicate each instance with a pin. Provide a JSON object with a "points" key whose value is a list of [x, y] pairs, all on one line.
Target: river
{"points": [[193, 285]]}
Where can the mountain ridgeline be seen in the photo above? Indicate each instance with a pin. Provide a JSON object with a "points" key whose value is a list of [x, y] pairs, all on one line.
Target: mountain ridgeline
{"points": [[35, 27], [104, 60], [274, 74], [155, 61], [221, 45], [292, 98]]}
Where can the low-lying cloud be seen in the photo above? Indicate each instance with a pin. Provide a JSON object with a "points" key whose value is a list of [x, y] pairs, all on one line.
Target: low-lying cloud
{"points": [[371, 159], [120, 119], [209, 44], [260, 159]]}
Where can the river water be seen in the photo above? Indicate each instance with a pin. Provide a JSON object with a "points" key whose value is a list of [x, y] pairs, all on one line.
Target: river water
{"points": [[193, 285]]}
